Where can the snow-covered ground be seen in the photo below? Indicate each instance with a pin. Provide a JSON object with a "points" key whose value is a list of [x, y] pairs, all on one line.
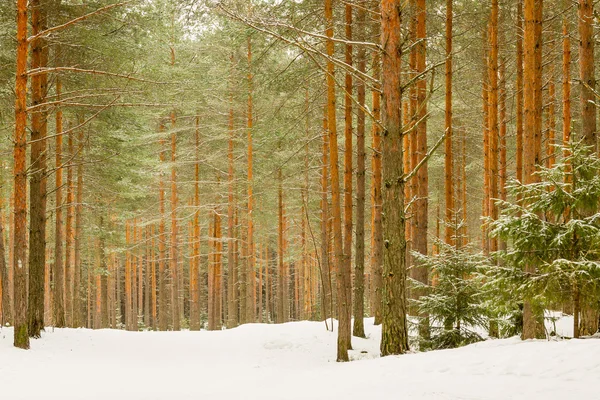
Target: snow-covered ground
{"points": [[289, 361]]}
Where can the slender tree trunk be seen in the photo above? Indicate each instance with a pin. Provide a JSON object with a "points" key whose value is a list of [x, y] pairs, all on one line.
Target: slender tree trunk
{"points": [[232, 319], [218, 277], [327, 307], [280, 249], [348, 133], [195, 264], [344, 307], [448, 160], [70, 289], [394, 339], [486, 142], [377, 230], [586, 73], [6, 305], [519, 100], [58, 271], [37, 182], [589, 136], [174, 256], [493, 118], [163, 273], [551, 121], [532, 128], [153, 289], [359, 263], [251, 302], [78, 228], [128, 305]]}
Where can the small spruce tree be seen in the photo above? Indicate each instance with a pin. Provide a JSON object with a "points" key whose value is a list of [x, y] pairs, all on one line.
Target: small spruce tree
{"points": [[454, 300], [555, 226]]}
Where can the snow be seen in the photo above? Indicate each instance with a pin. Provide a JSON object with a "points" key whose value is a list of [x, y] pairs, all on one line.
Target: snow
{"points": [[289, 361]]}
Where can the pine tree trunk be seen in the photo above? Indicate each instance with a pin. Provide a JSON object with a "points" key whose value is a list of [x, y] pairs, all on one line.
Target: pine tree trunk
{"points": [[70, 289], [532, 128], [486, 142], [394, 339], [280, 249], [348, 153], [421, 213], [163, 272], [78, 228], [153, 279], [493, 118], [58, 271], [174, 256], [377, 230], [232, 319], [359, 261], [195, 262], [448, 160], [4, 288], [327, 306], [37, 181], [343, 306], [586, 73], [519, 95], [251, 301]]}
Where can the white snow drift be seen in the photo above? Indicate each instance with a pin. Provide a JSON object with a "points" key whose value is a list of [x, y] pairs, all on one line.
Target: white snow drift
{"points": [[290, 361]]}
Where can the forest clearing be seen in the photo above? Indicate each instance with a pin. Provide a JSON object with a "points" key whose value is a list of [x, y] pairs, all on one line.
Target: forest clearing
{"points": [[197, 189]]}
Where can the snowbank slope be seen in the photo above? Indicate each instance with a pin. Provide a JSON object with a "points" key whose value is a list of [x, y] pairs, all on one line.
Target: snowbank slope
{"points": [[289, 361]]}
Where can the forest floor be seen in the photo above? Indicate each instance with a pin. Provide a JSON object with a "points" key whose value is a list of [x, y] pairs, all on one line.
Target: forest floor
{"points": [[289, 361]]}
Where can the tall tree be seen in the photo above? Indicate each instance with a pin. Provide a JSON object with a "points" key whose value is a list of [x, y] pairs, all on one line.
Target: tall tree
{"points": [[448, 160], [37, 181], [342, 276], [532, 129], [394, 333], [21, 335], [359, 263]]}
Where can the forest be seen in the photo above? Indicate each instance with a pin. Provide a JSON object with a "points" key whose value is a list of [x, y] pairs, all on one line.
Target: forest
{"points": [[391, 177]]}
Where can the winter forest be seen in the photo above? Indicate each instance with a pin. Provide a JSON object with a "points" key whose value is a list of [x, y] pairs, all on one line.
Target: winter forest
{"points": [[315, 180]]}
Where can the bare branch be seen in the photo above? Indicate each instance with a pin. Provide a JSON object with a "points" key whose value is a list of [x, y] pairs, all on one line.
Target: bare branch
{"points": [[76, 20]]}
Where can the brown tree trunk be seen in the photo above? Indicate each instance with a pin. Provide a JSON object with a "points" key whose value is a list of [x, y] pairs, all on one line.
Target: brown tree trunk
{"points": [[421, 204], [532, 128], [128, 303], [163, 272], [586, 73], [251, 301], [218, 274], [70, 289], [281, 317], [58, 271], [4, 287], [342, 275], [519, 100], [448, 160], [327, 307], [551, 121], [359, 261], [153, 279], [486, 142], [394, 339], [232, 307], [348, 133], [493, 119], [37, 182], [377, 230], [78, 229], [174, 254], [195, 262]]}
